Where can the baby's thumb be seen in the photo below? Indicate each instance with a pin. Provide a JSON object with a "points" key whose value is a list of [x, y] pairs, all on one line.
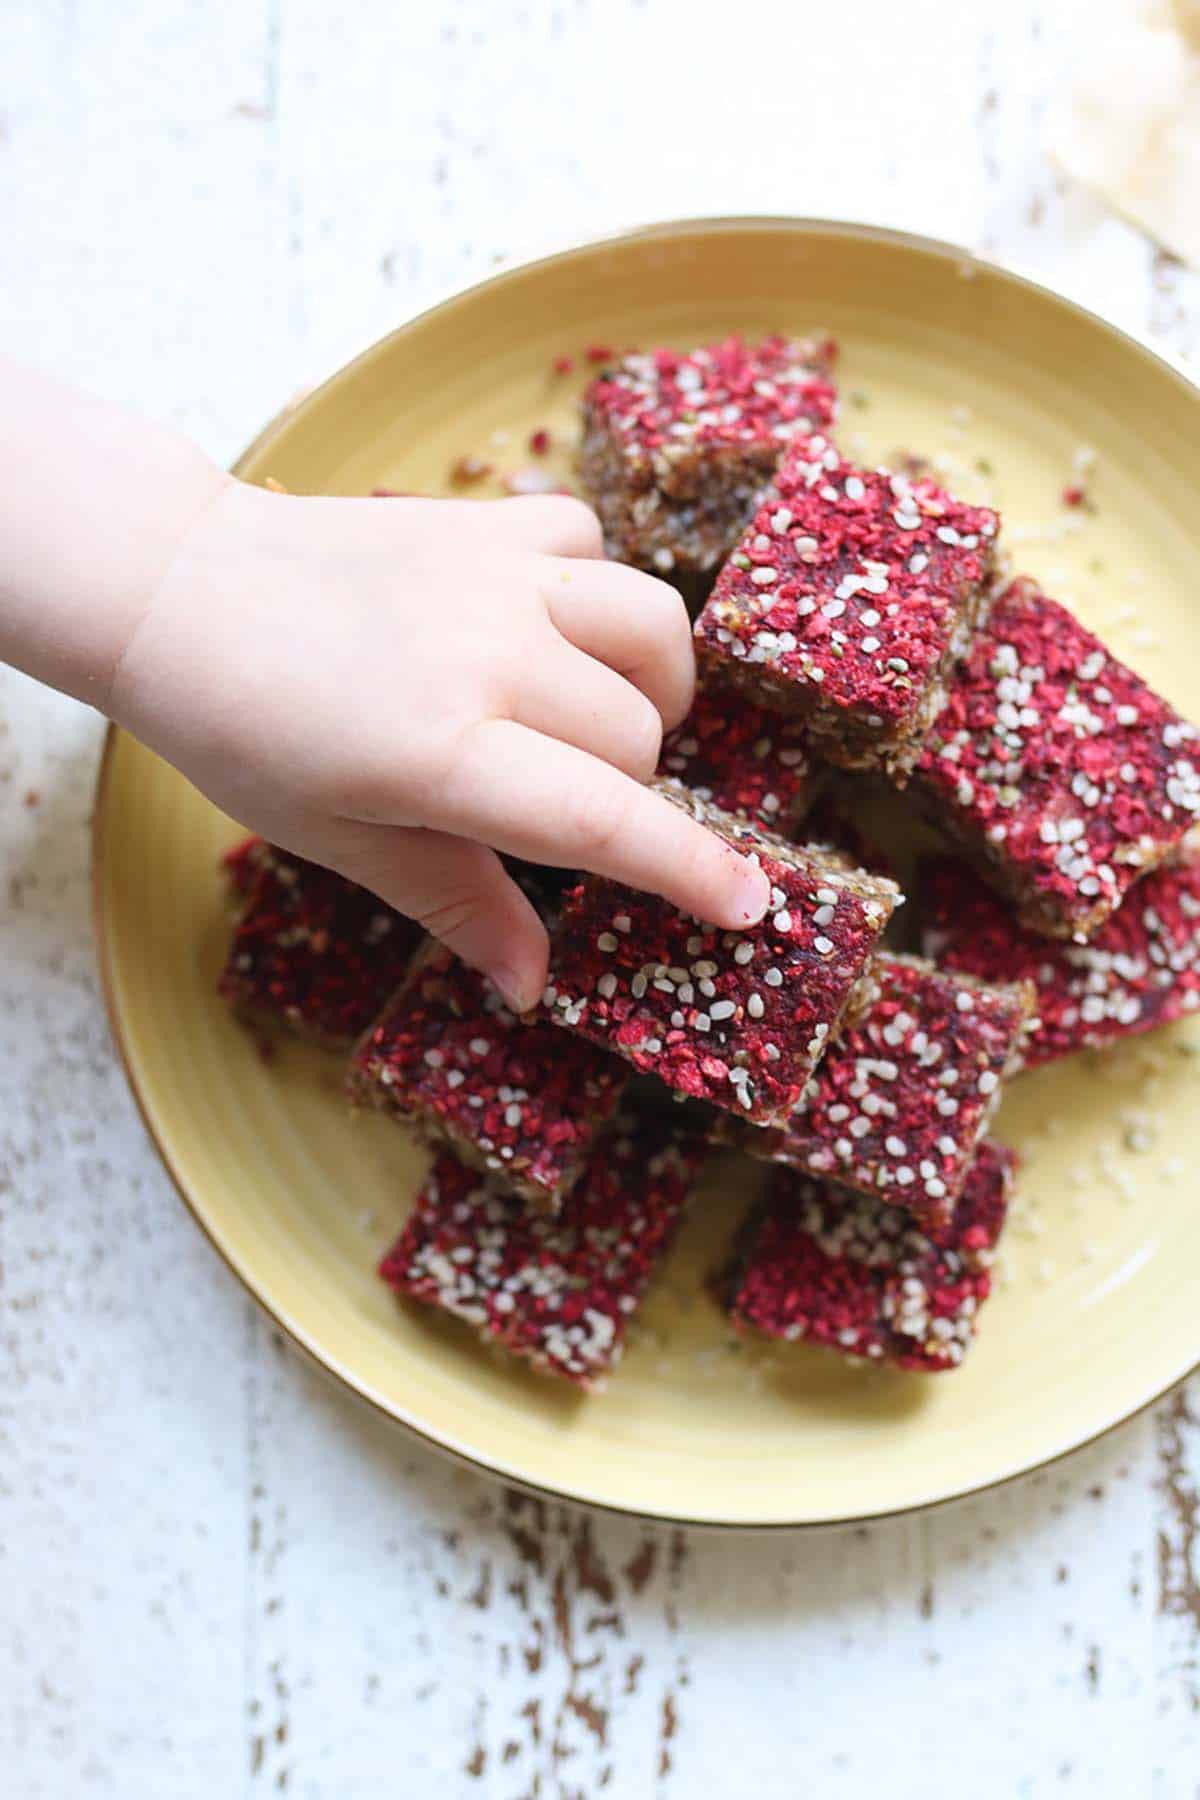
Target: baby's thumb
{"points": [[462, 895]]}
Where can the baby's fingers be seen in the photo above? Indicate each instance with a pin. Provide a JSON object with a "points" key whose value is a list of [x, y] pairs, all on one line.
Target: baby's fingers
{"points": [[547, 801], [461, 894], [631, 621], [564, 694], [549, 524], [555, 524]]}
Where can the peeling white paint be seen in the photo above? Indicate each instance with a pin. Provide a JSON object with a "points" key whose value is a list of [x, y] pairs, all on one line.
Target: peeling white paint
{"points": [[218, 1576]]}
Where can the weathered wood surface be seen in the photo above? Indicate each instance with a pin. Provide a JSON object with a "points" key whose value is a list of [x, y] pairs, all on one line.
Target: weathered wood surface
{"points": [[220, 1577]]}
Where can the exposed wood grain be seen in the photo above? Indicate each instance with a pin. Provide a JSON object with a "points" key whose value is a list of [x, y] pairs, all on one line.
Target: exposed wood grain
{"points": [[219, 1576]]}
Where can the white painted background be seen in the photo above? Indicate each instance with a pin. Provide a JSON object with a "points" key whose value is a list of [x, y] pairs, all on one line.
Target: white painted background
{"points": [[218, 1577]]}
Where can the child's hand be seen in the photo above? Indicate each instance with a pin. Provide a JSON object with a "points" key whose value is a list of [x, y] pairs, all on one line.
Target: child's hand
{"points": [[388, 686]]}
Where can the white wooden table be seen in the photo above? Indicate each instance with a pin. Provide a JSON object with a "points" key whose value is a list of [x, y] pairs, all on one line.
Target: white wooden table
{"points": [[218, 1576]]}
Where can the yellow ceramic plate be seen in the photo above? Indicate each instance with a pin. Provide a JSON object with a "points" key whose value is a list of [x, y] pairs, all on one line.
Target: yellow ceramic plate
{"points": [[1096, 1310]]}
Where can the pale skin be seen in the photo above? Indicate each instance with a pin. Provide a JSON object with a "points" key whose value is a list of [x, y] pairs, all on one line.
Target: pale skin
{"points": [[397, 689]]}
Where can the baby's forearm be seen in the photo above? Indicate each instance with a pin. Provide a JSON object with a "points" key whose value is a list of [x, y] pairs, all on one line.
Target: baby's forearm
{"points": [[398, 690], [94, 503]]}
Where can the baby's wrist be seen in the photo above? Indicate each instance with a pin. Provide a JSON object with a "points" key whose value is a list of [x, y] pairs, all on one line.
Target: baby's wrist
{"points": [[184, 647], [94, 504], [185, 500]]}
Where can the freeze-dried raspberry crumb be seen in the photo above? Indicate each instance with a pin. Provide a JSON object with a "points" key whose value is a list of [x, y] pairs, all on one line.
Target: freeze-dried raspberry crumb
{"points": [[243, 861]]}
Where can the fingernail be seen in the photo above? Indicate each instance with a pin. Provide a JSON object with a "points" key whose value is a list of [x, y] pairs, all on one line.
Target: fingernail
{"points": [[753, 894], [513, 989]]}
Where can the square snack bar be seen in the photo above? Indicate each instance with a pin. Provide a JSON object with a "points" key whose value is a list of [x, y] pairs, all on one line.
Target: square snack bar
{"points": [[846, 601], [1060, 772], [310, 949], [557, 1291], [676, 446], [738, 1018], [902, 1099], [749, 762], [1141, 969], [861, 1277], [506, 1095]]}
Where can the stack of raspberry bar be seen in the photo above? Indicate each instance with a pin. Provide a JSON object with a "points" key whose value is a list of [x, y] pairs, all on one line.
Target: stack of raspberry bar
{"points": [[552, 1199], [856, 622], [1072, 788], [900, 1103], [556, 1193], [862, 606], [845, 1271], [1062, 775]]}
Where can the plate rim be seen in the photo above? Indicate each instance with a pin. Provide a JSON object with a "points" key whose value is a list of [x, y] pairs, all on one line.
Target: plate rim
{"points": [[324, 1363]]}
